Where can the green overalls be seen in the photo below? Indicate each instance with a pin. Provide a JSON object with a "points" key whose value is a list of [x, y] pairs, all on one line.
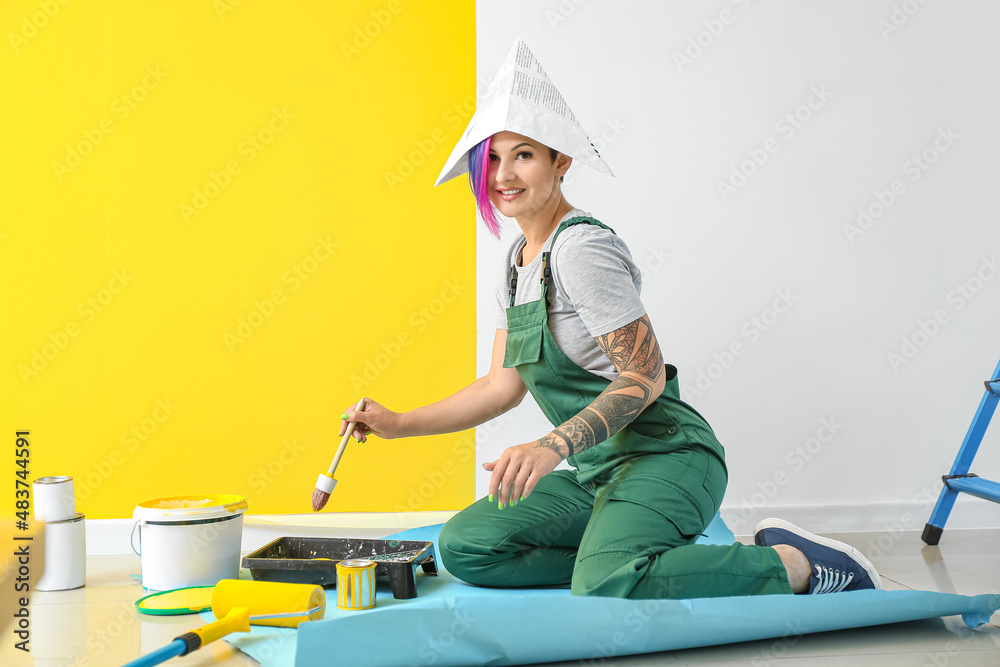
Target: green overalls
{"points": [[623, 524]]}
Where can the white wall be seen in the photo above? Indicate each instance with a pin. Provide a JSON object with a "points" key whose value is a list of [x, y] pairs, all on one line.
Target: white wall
{"points": [[712, 264]]}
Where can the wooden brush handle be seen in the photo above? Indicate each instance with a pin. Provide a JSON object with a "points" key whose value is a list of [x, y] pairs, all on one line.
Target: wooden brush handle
{"points": [[343, 441]]}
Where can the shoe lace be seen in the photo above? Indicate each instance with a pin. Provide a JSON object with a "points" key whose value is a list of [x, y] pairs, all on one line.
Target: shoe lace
{"points": [[829, 580]]}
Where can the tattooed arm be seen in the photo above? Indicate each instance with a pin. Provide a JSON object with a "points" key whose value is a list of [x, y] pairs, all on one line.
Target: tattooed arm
{"points": [[636, 355], [641, 375]]}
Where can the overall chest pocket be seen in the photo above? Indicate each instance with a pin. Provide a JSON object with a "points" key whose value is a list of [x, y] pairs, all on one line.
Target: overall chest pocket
{"points": [[525, 329], [524, 346]]}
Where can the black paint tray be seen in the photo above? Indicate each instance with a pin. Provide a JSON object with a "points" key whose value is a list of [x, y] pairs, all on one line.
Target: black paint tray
{"points": [[294, 560]]}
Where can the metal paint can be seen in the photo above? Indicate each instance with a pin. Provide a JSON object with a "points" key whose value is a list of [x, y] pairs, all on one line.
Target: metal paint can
{"points": [[65, 555], [53, 498], [355, 584]]}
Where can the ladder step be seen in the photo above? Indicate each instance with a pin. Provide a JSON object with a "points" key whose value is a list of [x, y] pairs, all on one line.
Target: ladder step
{"points": [[976, 486]]}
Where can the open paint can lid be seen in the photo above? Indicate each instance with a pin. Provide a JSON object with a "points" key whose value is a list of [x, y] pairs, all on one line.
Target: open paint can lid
{"points": [[189, 508], [193, 600]]}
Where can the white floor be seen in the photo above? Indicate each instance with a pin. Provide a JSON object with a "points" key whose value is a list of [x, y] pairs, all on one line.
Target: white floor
{"points": [[98, 625]]}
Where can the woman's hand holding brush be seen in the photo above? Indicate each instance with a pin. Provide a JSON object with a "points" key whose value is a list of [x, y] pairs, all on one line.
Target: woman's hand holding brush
{"points": [[374, 419], [372, 414], [326, 483]]}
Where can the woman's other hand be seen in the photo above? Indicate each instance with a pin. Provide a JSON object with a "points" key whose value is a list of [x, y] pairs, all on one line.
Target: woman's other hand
{"points": [[518, 470]]}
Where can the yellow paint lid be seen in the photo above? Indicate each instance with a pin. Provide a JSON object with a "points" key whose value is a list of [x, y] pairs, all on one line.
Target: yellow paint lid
{"points": [[179, 601], [190, 508]]}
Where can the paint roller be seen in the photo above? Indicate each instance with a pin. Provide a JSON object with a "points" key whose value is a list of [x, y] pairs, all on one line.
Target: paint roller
{"points": [[326, 483], [238, 604]]}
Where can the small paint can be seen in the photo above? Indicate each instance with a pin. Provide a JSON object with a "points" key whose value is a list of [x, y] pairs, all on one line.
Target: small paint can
{"points": [[53, 498], [65, 555], [356, 584]]}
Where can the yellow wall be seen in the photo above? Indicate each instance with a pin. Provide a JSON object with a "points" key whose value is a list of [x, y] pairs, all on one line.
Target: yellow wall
{"points": [[219, 230]]}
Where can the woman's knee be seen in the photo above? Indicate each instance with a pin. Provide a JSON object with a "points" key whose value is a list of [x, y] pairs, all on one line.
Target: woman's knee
{"points": [[466, 546], [611, 575]]}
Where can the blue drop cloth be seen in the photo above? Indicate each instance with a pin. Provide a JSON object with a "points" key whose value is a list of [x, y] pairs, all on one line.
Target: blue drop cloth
{"points": [[452, 623]]}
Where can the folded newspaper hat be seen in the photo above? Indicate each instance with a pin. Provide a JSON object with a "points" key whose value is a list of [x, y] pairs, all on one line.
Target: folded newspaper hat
{"points": [[522, 99]]}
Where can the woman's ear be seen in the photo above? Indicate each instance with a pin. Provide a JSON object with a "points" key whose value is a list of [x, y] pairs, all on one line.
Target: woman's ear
{"points": [[563, 163]]}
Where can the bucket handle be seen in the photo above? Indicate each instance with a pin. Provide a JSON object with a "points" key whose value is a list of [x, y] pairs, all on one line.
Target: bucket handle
{"points": [[131, 540]]}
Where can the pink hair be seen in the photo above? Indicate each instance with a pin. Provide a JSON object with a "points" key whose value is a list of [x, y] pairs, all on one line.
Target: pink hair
{"points": [[479, 176]]}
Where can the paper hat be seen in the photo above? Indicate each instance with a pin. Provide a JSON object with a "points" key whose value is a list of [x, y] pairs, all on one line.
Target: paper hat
{"points": [[522, 99]]}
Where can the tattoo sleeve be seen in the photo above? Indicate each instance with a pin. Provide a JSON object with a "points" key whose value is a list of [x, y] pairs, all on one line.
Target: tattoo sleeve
{"points": [[636, 355]]}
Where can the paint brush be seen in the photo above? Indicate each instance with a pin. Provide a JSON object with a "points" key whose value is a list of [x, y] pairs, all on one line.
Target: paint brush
{"points": [[326, 483]]}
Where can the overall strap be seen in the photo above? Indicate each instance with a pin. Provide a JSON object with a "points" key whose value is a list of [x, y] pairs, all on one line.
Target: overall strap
{"points": [[546, 269]]}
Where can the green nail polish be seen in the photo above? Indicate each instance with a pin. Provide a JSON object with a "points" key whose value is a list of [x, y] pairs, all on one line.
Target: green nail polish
{"points": [[492, 498], [343, 416], [500, 504], [522, 499]]}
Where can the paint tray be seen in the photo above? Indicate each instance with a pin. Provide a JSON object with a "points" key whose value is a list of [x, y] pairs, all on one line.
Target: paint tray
{"points": [[296, 560]]}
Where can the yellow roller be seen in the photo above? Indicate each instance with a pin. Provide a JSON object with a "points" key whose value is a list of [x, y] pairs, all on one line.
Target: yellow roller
{"points": [[270, 602], [237, 604]]}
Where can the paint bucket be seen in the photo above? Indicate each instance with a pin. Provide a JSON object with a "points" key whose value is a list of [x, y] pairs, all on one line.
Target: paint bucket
{"points": [[355, 584], [189, 540]]}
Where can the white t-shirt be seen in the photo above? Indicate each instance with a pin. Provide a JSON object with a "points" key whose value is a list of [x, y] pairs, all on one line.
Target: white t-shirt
{"points": [[594, 290]]}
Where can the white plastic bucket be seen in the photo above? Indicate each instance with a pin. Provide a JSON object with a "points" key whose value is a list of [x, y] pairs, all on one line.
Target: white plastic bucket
{"points": [[189, 540]]}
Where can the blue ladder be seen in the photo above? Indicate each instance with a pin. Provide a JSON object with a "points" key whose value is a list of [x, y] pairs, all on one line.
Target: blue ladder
{"points": [[960, 480]]}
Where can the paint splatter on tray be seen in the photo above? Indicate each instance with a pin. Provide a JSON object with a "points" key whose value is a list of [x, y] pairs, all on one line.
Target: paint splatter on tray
{"points": [[313, 560]]}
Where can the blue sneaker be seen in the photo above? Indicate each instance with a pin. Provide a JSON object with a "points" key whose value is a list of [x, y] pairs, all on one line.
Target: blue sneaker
{"points": [[835, 566]]}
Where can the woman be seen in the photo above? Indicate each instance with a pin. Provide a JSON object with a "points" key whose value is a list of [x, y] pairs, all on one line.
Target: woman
{"points": [[649, 472]]}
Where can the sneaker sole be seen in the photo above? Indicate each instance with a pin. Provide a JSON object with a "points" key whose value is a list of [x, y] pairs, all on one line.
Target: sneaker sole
{"points": [[825, 541]]}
